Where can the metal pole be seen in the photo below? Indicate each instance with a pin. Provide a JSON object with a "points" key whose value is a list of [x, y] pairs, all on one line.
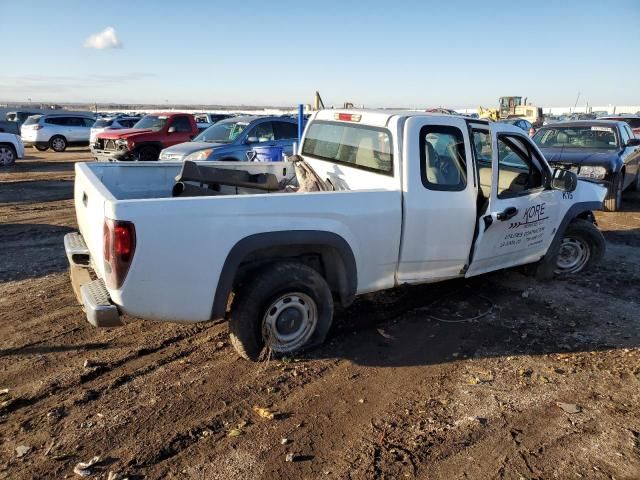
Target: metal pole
{"points": [[300, 123]]}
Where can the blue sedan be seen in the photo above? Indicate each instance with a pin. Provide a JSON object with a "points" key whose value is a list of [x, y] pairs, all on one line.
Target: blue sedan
{"points": [[233, 138]]}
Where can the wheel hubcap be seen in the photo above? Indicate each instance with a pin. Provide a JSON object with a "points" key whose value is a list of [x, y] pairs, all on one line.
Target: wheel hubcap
{"points": [[58, 144], [6, 156], [289, 322], [573, 256]]}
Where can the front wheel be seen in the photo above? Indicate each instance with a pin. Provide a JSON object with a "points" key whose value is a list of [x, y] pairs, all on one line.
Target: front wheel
{"points": [[147, 154], [285, 308], [613, 201], [582, 246]]}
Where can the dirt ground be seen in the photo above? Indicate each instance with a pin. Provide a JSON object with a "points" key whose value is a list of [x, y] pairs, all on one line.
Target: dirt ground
{"points": [[407, 387]]}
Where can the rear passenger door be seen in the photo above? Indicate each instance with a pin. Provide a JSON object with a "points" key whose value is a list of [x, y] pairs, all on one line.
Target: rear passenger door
{"points": [[285, 133], [521, 215]]}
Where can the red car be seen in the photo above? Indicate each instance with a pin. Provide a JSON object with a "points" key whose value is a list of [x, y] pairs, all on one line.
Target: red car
{"points": [[146, 139], [632, 120]]}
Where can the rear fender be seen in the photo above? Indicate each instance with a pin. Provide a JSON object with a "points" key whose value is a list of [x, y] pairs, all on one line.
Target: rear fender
{"points": [[336, 254]]}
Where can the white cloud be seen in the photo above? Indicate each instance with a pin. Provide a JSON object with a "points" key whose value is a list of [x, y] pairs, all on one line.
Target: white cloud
{"points": [[104, 39]]}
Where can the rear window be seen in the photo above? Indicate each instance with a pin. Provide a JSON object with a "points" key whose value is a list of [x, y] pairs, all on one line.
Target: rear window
{"points": [[632, 122], [358, 146], [32, 120]]}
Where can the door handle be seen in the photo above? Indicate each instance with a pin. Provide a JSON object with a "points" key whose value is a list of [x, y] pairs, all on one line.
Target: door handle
{"points": [[507, 213]]}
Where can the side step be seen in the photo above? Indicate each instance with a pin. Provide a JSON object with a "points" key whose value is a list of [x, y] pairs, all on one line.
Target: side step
{"points": [[97, 304], [76, 248]]}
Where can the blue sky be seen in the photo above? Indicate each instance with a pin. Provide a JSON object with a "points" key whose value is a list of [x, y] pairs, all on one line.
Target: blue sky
{"points": [[454, 53]]}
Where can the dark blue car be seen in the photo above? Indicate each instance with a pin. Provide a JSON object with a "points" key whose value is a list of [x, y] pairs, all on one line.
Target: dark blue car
{"points": [[602, 151], [231, 139]]}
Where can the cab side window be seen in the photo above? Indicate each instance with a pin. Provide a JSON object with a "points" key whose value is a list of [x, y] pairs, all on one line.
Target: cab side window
{"points": [[263, 131], [443, 165], [482, 151], [181, 124], [518, 172]]}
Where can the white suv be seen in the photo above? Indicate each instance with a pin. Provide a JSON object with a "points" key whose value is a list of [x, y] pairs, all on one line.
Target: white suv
{"points": [[113, 123], [57, 131], [11, 147]]}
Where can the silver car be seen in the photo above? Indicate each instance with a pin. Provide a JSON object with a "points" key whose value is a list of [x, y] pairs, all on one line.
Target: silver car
{"points": [[57, 131]]}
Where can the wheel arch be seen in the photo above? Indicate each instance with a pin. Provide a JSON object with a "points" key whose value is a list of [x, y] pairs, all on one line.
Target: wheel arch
{"points": [[327, 252], [582, 210]]}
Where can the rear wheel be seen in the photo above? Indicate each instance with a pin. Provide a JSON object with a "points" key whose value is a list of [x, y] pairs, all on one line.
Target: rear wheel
{"points": [[613, 201], [58, 143], [41, 148], [582, 246], [147, 154], [285, 308], [7, 155]]}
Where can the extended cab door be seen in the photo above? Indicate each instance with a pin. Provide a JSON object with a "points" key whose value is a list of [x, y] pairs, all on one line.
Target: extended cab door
{"points": [[439, 199], [520, 214]]}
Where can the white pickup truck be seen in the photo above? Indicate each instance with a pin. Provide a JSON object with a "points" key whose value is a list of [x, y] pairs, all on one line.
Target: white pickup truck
{"points": [[415, 198]]}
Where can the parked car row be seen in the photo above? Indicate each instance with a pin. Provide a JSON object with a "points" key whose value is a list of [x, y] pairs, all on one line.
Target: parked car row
{"points": [[58, 131]]}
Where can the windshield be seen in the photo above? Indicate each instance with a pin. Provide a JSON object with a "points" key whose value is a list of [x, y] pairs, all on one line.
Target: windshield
{"points": [[152, 122], [588, 137], [222, 132]]}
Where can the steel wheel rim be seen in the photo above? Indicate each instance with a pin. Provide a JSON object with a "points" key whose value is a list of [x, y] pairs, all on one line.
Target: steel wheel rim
{"points": [[6, 156], [289, 322], [573, 255], [57, 144]]}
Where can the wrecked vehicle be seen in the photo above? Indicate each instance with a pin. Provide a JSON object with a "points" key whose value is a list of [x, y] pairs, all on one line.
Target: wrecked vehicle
{"points": [[415, 198]]}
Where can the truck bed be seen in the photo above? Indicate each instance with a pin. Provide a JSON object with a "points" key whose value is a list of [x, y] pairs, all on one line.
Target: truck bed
{"points": [[130, 181], [182, 243]]}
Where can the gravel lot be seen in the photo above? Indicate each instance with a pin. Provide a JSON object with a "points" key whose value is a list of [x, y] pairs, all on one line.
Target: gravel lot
{"points": [[547, 385]]}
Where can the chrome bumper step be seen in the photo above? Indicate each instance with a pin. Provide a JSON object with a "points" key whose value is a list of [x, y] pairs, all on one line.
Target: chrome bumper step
{"points": [[99, 309]]}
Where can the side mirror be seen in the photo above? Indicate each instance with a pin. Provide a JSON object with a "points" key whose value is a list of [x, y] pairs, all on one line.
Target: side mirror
{"points": [[252, 140], [633, 142], [171, 130], [564, 180]]}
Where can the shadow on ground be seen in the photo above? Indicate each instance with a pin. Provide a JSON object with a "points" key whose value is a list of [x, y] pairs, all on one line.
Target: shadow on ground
{"points": [[36, 191], [31, 250]]}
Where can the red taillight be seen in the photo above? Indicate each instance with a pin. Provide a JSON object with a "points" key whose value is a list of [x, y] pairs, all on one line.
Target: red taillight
{"points": [[348, 117], [119, 243]]}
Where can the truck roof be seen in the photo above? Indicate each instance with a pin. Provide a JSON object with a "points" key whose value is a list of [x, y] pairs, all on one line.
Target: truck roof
{"points": [[381, 118]]}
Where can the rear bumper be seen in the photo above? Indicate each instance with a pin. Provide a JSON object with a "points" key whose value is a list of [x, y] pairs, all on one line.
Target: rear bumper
{"points": [[91, 294]]}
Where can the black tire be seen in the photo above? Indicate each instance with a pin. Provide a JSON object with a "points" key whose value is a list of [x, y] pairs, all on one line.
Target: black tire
{"points": [[40, 148], [58, 143], [613, 200], [582, 239], [147, 154], [265, 296], [7, 155]]}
